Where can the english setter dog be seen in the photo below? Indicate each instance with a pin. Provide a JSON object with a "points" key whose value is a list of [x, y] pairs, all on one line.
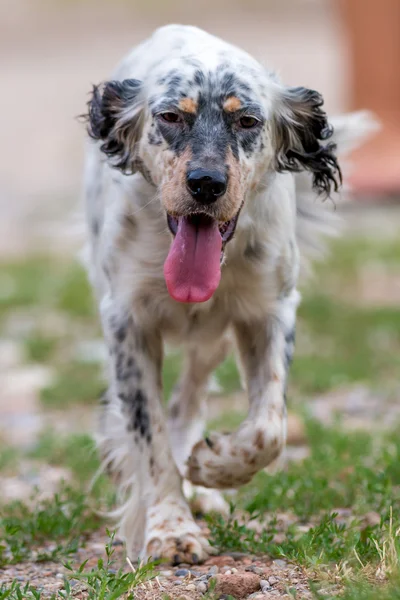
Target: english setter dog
{"points": [[201, 169]]}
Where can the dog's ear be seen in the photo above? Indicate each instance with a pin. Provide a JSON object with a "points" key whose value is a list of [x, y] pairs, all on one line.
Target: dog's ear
{"points": [[115, 117], [302, 132]]}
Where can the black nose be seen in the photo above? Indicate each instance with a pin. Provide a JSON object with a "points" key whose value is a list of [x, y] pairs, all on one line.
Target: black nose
{"points": [[206, 186]]}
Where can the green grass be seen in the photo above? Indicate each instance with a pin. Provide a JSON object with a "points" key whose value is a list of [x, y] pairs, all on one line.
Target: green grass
{"points": [[102, 582], [340, 342], [43, 282], [76, 383], [357, 471], [26, 528], [9, 456]]}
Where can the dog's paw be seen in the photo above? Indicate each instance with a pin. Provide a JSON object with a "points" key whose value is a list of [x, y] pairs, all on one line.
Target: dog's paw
{"points": [[205, 500], [173, 536], [231, 460]]}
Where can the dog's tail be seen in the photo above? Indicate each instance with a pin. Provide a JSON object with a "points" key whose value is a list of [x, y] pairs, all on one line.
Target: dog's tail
{"points": [[317, 220]]}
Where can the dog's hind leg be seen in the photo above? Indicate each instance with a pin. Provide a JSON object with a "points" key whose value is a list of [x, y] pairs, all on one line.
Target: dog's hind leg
{"points": [[266, 347], [187, 418], [155, 517]]}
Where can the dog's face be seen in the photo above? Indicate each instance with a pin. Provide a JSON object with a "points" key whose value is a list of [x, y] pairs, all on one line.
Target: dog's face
{"points": [[206, 138]]}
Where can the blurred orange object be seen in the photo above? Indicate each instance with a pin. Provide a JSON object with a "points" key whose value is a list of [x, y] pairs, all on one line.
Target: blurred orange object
{"points": [[373, 29]]}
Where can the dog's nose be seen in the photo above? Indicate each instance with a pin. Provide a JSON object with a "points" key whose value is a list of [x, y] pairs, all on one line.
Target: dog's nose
{"points": [[206, 186]]}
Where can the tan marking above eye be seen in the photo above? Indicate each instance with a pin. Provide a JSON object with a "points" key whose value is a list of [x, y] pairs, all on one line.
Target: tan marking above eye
{"points": [[232, 104], [188, 105]]}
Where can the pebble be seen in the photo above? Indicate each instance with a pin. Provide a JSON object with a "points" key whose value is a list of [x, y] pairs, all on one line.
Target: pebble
{"points": [[227, 572], [201, 587], [191, 587], [220, 561], [182, 572], [195, 573], [118, 543], [272, 580], [239, 585], [214, 570], [254, 569], [166, 573], [234, 570], [177, 582], [60, 576], [236, 555], [280, 563], [265, 585]]}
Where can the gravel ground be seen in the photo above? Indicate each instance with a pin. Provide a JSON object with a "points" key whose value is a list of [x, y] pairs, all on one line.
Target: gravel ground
{"points": [[232, 574]]}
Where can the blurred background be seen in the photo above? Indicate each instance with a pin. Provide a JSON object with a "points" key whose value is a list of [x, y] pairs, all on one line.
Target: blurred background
{"points": [[51, 52]]}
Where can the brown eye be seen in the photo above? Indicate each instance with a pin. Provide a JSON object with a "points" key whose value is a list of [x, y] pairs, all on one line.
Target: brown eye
{"points": [[248, 122], [170, 117]]}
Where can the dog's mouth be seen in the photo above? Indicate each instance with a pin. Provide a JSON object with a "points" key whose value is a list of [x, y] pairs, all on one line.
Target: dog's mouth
{"points": [[193, 267]]}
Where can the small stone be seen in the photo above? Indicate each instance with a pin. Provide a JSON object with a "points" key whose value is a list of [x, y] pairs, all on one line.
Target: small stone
{"points": [[166, 573], [177, 582], [195, 573], [256, 596], [254, 569], [235, 555], [60, 576], [213, 571], [181, 572], [201, 587], [227, 572], [239, 585], [191, 587], [117, 543], [234, 570], [265, 585], [272, 580], [280, 563], [220, 561]]}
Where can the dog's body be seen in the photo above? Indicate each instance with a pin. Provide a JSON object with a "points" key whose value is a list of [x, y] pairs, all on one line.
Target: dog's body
{"points": [[185, 106]]}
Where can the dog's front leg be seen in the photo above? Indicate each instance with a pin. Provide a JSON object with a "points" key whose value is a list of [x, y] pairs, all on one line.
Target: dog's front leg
{"points": [[266, 347], [155, 518]]}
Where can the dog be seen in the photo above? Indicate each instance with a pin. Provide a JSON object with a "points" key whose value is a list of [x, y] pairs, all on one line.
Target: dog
{"points": [[201, 178]]}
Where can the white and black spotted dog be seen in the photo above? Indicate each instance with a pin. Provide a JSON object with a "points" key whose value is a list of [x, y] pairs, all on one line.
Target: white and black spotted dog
{"points": [[194, 202]]}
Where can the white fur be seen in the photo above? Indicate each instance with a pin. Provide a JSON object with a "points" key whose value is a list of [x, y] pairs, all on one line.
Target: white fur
{"points": [[256, 300]]}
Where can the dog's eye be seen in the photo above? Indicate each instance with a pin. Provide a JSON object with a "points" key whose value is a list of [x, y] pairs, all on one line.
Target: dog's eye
{"points": [[171, 117], [248, 122]]}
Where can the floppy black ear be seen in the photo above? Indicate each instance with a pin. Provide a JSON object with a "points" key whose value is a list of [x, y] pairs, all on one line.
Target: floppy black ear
{"points": [[302, 134], [114, 117]]}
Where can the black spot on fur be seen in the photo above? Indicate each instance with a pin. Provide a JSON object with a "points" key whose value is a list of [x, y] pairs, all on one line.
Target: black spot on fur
{"points": [[95, 227], [254, 252], [290, 339], [121, 333], [154, 139], [125, 368], [174, 411], [302, 130], [136, 404]]}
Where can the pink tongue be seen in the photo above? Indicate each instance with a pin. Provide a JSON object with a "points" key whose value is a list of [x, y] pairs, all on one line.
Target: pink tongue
{"points": [[192, 270]]}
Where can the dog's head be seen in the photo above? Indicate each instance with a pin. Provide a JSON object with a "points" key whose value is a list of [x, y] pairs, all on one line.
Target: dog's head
{"points": [[205, 135]]}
